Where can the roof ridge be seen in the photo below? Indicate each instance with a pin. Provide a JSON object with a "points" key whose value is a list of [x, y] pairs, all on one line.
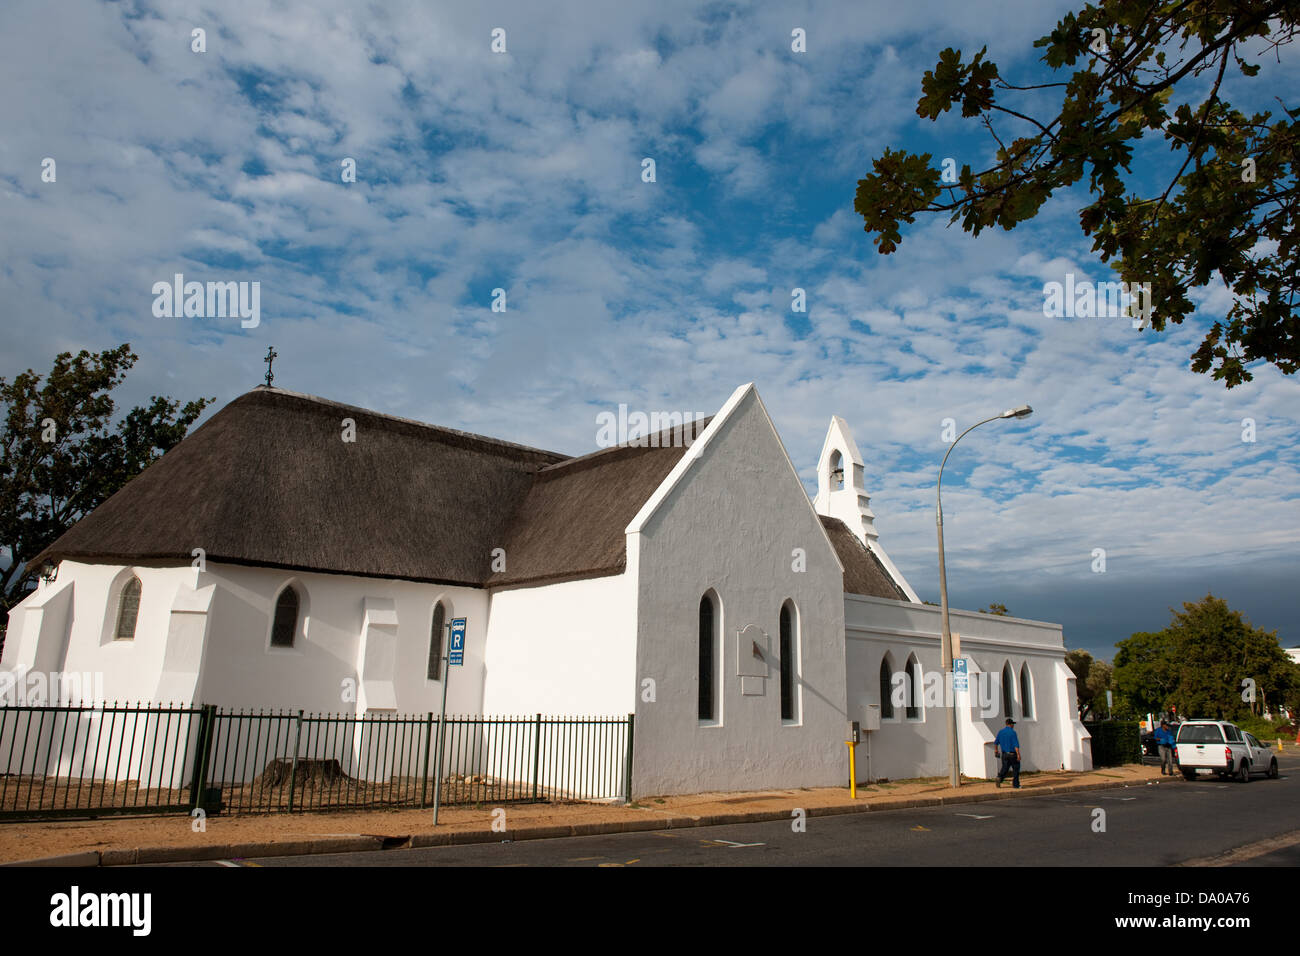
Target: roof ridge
{"points": [[399, 419], [641, 443]]}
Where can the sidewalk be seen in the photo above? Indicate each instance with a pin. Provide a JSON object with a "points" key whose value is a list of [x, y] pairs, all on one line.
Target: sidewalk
{"points": [[114, 841]]}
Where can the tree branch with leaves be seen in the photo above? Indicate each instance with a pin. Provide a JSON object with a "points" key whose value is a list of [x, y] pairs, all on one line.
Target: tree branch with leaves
{"points": [[1229, 212], [62, 455]]}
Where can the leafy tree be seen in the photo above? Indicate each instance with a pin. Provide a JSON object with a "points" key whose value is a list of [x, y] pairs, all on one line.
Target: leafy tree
{"points": [[1209, 662], [1230, 208], [1146, 671], [1100, 680], [61, 456], [1092, 680], [997, 609]]}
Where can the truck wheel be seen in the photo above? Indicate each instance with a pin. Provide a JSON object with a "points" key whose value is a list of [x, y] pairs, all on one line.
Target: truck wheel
{"points": [[1189, 774], [1244, 773], [1272, 769]]}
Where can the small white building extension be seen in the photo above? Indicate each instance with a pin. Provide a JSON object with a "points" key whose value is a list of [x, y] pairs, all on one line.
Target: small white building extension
{"points": [[266, 562]]}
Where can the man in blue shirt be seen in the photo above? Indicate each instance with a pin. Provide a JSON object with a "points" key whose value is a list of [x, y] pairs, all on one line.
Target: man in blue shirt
{"points": [[1007, 745], [1165, 741]]}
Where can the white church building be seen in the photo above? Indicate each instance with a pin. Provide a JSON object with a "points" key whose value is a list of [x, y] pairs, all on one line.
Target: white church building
{"points": [[266, 562]]}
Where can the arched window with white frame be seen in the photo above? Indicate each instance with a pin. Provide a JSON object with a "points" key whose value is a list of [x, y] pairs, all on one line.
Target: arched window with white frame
{"points": [[1026, 693], [1008, 691], [437, 630], [915, 709], [886, 688], [128, 610], [708, 658], [789, 651], [284, 626]]}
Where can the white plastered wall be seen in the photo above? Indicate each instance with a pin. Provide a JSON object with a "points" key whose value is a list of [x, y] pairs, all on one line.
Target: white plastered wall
{"points": [[566, 648], [67, 627], [204, 637], [1052, 737], [363, 644]]}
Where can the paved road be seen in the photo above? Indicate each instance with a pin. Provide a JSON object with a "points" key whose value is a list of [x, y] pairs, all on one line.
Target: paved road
{"points": [[1151, 825]]}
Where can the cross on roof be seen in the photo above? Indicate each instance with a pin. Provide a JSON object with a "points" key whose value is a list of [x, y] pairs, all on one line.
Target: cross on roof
{"points": [[271, 356]]}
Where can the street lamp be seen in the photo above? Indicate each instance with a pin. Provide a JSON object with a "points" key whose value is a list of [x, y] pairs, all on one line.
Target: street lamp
{"points": [[954, 771]]}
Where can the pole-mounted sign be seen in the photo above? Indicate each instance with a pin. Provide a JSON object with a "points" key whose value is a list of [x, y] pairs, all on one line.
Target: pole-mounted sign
{"points": [[457, 654], [960, 675]]}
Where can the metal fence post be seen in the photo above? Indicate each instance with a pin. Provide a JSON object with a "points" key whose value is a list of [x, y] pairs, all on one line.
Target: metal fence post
{"points": [[424, 770], [537, 752], [627, 770], [203, 752], [293, 772]]}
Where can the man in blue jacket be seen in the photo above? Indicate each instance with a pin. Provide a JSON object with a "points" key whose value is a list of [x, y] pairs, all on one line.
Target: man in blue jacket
{"points": [[1165, 741], [1007, 745]]}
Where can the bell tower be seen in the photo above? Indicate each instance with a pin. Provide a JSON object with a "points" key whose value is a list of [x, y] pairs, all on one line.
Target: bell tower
{"points": [[842, 493]]}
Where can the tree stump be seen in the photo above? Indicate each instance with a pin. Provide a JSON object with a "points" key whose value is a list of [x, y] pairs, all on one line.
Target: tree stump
{"points": [[310, 773]]}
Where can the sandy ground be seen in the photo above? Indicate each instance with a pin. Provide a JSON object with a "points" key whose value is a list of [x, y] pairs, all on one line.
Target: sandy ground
{"points": [[25, 841]]}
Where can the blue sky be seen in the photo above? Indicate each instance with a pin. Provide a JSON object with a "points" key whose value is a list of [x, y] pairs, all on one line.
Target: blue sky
{"points": [[522, 170]]}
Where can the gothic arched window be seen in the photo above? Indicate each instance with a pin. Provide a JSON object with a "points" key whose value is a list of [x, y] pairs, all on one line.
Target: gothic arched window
{"points": [[435, 641], [128, 610], [789, 656], [285, 626]]}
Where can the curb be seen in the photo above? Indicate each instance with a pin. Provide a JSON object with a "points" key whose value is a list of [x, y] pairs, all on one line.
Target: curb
{"points": [[86, 858], [360, 844]]}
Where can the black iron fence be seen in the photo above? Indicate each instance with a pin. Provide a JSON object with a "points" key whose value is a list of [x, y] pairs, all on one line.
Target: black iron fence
{"points": [[89, 761]]}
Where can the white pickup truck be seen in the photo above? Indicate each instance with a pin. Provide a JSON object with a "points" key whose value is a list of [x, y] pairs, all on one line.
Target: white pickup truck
{"points": [[1219, 747]]}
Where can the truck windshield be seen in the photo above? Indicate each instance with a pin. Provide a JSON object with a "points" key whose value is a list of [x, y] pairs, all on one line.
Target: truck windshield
{"points": [[1200, 734]]}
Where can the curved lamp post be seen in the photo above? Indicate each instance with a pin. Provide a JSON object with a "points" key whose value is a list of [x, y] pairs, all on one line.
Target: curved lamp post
{"points": [[954, 770]]}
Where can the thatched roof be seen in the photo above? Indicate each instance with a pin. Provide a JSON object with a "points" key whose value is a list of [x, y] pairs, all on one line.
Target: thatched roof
{"points": [[269, 481], [863, 572], [571, 524]]}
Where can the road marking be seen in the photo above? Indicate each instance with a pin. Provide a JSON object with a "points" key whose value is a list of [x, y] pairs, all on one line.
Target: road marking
{"points": [[583, 859], [919, 827], [977, 816], [1248, 852], [227, 863], [729, 843]]}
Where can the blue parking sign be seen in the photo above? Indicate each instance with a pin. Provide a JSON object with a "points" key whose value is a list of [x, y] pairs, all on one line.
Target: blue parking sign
{"points": [[456, 653], [960, 675]]}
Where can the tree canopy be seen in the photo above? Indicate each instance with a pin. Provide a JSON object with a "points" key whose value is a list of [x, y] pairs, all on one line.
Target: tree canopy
{"points": [[1092, 680], [1126, 70], [1208, 663], [61, 454]]}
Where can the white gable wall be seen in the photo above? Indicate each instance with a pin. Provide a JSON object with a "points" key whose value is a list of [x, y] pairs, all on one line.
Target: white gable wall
{"points": [[729, 520]]}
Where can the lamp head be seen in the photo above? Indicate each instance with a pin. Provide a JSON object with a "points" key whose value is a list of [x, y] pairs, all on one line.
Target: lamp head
{"points": [[1022, 411]]}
